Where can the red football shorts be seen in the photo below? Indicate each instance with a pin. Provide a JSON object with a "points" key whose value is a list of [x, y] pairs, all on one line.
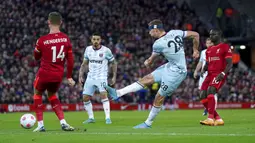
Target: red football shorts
{"points": [[41, 85], [210, 80]]}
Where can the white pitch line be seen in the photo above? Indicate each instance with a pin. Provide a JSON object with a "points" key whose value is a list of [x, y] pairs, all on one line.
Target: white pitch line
{"points": [[170, 134], [123, 133]]}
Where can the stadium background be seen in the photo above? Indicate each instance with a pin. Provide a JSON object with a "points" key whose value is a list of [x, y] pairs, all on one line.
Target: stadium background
{"points": [[123, 25]]}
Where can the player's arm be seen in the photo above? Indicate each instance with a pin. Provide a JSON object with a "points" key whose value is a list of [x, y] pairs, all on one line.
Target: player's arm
{"points": [[198, 68], [83, 68], [199, 65], [229, 65], [37, 51], [114, 66], [195, 36], [151, 59], [228, 58], [70, 63], [205, 68], [156, 51]]}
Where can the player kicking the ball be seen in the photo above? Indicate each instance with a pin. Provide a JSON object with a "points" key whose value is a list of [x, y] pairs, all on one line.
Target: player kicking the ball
{"points": [[218, 64], [170, 75], [96, 58], [53, 49]]}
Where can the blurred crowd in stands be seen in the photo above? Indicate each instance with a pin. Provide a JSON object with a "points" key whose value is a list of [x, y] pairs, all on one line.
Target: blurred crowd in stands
{"points": [[123, 25]]}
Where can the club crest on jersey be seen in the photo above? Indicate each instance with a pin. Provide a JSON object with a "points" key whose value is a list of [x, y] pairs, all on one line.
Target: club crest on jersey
{"points": [[101, 55], [218, 50]]}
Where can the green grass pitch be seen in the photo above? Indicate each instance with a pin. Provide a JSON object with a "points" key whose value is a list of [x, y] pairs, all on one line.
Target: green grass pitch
{"points": [[180, 126]]}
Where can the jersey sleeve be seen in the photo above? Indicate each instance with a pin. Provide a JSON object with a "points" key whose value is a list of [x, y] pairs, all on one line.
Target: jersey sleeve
{"points": [[70, 47], [70, 60], [156, 48], [227, 52], [37, 50], [180, 33], [38, 45], [86, 54], [109, 55]]}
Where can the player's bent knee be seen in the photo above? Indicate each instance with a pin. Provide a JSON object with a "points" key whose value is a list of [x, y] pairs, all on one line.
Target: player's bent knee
{"points": [[147, 80], [103, 95], [86, 98]]}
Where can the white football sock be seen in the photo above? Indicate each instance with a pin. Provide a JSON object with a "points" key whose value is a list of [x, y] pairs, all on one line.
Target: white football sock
{"points": [[106, 105], [63, 121], [40, 124], [154, 112], [88, 107], [130, 88]]}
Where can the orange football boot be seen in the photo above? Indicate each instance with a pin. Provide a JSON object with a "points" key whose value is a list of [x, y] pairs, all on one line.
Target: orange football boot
{"points": [[219, 122], [207, 122]]}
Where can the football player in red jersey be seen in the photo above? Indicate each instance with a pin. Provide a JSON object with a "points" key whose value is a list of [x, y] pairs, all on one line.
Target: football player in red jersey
{"points": [[218, 64], [53, 50]]}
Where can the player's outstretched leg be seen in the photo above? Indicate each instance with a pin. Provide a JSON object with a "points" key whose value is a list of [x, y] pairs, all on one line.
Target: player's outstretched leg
{"points": [[212, 102], [204, 101], [142, 126], [57, 108], [115, 94], [112, 92], [38, 104], [106, 106], [89, 108], [153, 113], [211, 108]]}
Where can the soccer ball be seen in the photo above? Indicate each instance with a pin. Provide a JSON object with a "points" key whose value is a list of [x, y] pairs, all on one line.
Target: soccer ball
{"points": [[27, 121]]}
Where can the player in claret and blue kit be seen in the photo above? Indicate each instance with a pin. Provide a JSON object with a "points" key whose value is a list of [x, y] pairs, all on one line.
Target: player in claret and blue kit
{"points": [[96, 60], [170, 75]]}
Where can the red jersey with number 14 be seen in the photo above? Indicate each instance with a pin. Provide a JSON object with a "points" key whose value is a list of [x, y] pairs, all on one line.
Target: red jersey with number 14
{"points": [[216, 57], [53, 49]]}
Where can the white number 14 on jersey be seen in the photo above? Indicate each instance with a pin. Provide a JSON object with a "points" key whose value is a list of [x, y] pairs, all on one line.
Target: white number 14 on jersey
{"points": [[61, 54]]}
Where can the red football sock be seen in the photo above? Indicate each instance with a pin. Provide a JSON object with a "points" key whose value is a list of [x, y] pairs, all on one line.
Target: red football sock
{"points": [[216, 115], [38, 107], [205, 103], [56, 106], [211, 106]]}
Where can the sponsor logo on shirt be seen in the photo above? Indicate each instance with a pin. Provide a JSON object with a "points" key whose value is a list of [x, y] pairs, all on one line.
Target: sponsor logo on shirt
{"points": [[96, 61]]}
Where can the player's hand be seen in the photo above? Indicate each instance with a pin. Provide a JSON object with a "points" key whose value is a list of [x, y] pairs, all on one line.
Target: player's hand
{"points": [[113, 81], [71, 82], [148, 63], [81, 80], [195, 75], [219, 77], [196, 54]]}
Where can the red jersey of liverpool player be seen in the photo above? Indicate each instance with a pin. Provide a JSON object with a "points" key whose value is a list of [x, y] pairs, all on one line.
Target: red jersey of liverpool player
{"points": [[53, 50], [216, 59], [218, 64]]}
